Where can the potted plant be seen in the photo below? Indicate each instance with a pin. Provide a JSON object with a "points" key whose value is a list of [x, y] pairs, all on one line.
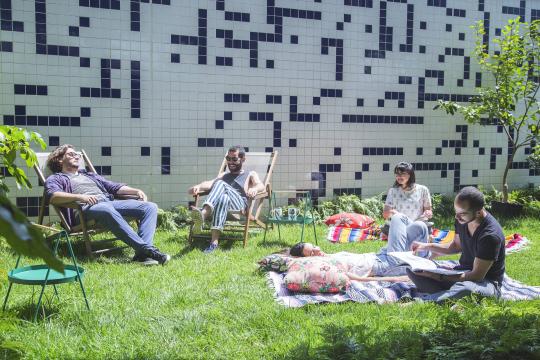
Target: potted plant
{"points": [[509, 96]]}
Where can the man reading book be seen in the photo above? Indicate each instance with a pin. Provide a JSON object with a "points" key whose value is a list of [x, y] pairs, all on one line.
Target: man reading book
{"points": [[480, 239]]}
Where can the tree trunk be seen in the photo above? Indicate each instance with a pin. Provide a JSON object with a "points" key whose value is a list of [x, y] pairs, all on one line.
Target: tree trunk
{"points": [[505, 176]]}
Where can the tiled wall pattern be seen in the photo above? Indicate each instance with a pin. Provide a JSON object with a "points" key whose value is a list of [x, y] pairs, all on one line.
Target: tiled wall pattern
{"points": [[156, 90]]}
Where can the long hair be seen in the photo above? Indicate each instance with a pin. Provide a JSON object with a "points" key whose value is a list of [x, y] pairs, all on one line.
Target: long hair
{"points": [[54, 160], [405, 167]]}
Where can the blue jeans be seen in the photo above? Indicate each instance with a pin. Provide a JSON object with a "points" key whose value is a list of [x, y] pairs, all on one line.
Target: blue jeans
{"points": [[403, 231], [111, 214], [439, 291]]}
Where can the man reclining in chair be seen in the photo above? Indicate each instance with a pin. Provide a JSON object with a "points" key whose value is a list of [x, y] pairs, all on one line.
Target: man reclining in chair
{"points": [[69, 184], [228, 192]]}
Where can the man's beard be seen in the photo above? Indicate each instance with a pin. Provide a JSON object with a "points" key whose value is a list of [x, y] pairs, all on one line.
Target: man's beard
{"points": [[235, 167]]}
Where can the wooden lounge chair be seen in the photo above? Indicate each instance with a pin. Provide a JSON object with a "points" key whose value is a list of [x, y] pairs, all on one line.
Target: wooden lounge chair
{"points": [[263, 165], [84, 228]]}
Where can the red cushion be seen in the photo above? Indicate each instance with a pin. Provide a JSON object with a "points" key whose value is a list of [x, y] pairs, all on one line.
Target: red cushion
{"points": [[351, 220]]}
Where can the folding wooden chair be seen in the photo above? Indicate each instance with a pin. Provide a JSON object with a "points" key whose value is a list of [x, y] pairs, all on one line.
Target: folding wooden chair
{"points": [[84, 228], [261, 163]]}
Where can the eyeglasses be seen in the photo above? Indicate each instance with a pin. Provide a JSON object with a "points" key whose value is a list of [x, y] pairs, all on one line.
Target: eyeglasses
{"points": [[73, 154], [232, 159]]}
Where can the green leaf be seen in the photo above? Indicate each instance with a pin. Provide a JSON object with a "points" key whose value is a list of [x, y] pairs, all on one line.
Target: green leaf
{"points": [[24, 238]]}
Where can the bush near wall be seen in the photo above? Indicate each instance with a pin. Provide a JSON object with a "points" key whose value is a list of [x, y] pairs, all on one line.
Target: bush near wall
{"points": [[179, 216]]}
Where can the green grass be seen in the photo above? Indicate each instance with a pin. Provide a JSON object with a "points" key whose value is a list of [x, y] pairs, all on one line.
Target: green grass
{"points": [[219, 307]]}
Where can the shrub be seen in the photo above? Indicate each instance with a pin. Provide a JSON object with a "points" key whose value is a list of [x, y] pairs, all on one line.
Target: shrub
{"points": [[174, 219]]}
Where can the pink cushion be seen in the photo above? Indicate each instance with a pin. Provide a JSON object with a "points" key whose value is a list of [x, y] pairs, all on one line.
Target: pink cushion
{"points": [[351, 220], [316, 274]]}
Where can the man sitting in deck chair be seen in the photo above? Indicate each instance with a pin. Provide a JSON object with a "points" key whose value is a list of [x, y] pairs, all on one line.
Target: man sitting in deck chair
{"points": [[69, 184], [228, 192]]}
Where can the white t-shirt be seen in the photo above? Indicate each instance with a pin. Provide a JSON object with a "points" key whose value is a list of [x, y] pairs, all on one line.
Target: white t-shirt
{"points": [[411, 202]]}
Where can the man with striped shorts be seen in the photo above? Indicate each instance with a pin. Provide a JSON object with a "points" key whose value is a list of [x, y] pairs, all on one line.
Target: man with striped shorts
{"points": [[228, 192]]}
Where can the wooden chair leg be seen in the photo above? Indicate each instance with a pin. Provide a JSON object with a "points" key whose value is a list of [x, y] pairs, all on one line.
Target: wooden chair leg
{"points": [[88, 244], [248, 220]]}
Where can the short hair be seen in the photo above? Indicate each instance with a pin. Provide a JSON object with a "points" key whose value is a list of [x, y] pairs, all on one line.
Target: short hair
{"points": [[297, 249], [54, 160], [472, 196], [239, 148], [405, 167]]}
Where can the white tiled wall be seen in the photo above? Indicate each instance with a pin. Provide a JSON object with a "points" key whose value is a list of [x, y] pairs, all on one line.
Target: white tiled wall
{"points": [[180, 102]]}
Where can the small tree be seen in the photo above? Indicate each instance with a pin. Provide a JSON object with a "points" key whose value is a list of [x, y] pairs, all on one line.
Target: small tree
{"points": [[510, 99], [14, 226]]}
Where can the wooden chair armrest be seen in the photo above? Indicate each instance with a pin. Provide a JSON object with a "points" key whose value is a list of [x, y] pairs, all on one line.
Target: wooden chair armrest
{"points": [[260, 195], [46, 228], [71, 205]]}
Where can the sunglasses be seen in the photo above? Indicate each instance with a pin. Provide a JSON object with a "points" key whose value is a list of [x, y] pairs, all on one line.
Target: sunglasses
{"points": [[233, 159], [73, 154]]}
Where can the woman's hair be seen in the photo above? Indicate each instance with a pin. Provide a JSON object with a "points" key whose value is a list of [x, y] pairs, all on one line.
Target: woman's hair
{"points": [[405, 167], [297, 249], [54, 160]]}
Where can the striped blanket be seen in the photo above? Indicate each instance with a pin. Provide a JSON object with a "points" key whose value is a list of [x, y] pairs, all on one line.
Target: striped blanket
{"points": [[383, 292]]}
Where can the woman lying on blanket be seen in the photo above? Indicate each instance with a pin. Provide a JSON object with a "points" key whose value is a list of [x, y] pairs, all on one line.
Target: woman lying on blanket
{"points": [[360, 267]]}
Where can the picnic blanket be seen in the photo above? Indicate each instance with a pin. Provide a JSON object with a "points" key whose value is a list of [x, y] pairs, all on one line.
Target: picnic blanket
{"points": [[342, 234], [383, 292]]}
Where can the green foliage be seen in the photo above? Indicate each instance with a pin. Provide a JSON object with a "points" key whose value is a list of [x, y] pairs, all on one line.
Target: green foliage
{"points": [[173, 219], [510, 99], [14, 227], [443, 208]]}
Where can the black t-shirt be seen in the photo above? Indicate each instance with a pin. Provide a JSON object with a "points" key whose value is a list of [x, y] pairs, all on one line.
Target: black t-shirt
{"points": [[487, 243]]}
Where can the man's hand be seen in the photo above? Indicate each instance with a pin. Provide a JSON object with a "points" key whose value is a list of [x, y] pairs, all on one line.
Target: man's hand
{"points": [[142, 196], [418, 246], [88, 199], [194, 190], [252, 193]]}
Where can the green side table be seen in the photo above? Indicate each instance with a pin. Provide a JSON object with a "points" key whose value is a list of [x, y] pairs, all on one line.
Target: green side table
{"points": [[42, 275], [304, 218]]}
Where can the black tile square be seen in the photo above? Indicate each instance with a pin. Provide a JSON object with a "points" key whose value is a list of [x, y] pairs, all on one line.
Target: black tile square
{"points": [[337, 151], [419, 151], [365, 167], [359, 102], [316, 100], [461, 36], [106, 151], [448, 27], [422, 49], [292, 142], [369, 28], [367, 69], [294, 39], [145, 151], [339, 26], [347, 18], [84, 21], [438, 151], [269, 64]]}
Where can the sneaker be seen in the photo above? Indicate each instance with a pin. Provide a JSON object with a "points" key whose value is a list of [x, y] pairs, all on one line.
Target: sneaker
{"points": [[158, 256], [196, 215], [144, 260], [211, 248]]}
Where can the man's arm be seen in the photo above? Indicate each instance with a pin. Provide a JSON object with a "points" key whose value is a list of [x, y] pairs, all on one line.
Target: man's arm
{"points": [[255, 185], [204, 186], [440, 249], [60, 198], [126, 190]]}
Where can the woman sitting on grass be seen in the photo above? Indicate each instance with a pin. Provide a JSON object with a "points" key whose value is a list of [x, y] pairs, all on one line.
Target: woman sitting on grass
{"points": [[360, 267], [407, 209]]}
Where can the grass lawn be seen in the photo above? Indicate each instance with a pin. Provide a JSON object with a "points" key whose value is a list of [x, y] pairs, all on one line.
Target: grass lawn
{"points": [[219, 307]]}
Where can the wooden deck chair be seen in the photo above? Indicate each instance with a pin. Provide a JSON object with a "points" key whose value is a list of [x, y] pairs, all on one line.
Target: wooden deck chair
{"points": [[263, 164], [85, 228]]}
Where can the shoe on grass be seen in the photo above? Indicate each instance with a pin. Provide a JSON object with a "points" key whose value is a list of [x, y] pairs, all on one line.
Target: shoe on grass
{"points": [[211, 248], [158, 256], [198, 221], [144, 260]]}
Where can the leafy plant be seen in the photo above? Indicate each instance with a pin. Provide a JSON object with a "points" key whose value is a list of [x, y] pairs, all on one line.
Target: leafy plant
{"points": [[510, 99], [14, 226], [174, 219]]}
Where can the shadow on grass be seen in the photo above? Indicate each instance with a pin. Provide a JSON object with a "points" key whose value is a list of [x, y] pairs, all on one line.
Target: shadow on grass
{"points": [[26, 311], [469, 335]]}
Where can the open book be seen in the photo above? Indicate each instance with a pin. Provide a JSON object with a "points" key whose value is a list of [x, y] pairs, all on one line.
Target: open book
{"points": [[419, 264]]}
